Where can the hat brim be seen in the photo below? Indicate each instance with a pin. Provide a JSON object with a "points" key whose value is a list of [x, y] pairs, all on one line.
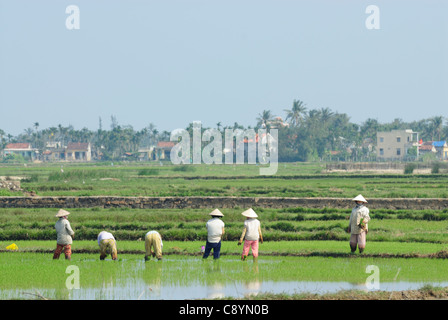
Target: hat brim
{"points": [[216, 213], [250, 213], [62, 213]]}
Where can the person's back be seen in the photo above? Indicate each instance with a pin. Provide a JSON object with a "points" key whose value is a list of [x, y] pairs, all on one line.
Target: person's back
{"points": [[104, 235], [107, 244], [153, 240], [214, 230], [252, 226], [64, 231], [65, 235]]}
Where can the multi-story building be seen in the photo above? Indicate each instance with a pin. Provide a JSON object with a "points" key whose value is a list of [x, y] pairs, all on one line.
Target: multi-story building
{"points": [[394, 145]]}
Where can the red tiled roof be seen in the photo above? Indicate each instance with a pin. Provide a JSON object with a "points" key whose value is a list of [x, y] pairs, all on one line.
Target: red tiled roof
{"points": [[77, 146], [165, 144], [18, 146], [426, 147]]}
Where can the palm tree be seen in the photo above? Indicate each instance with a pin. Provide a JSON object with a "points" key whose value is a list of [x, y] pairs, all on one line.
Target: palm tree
{"points": [[325, 114], [436, 126], [2, 140], [296, 114], [369, 129], [264, 118], [28, 132], [154, 134]]}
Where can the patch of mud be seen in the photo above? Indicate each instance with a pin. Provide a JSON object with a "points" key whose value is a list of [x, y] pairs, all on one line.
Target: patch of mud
{"points": [[425, 293]]}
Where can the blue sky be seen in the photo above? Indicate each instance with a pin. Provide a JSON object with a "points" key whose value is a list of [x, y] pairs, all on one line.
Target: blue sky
{"points": [[172, 62]]}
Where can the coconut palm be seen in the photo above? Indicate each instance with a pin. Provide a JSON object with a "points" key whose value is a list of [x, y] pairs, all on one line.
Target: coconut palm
{"points": [[264, 118], [436, 126], [297, 112], [325, 114]]}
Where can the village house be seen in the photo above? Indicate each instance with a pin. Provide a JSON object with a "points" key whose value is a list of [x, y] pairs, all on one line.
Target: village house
{"points": [[78, 151], [53, 152], [163, 150], [426, 148], [146, 154], [394, 145], [442, 149], [74, 151], [23, 149]]}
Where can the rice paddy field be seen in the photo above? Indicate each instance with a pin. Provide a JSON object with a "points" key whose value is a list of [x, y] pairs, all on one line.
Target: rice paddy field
{"points": [[305, 251], [291, 180]]}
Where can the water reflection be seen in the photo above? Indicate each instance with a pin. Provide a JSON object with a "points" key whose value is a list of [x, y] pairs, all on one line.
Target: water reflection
{"points": [[141, 290], [180, 279], [252, 286], [152, 277]]}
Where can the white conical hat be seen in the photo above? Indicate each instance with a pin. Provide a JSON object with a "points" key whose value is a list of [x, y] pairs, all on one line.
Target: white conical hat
{"points": [[216, 212], [62, 213], [250, 213], [359, 198]]}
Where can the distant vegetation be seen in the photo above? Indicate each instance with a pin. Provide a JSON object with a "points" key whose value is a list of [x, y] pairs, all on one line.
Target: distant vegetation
{"points": [[305, 134]]}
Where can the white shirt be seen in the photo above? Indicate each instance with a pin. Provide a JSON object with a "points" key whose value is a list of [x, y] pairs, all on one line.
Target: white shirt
{"points": [[214, 230], [252, 226], [104, 235], [155, 232]]}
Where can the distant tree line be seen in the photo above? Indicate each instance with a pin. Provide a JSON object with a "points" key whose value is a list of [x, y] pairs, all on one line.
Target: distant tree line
{"points": [[304, 134]]}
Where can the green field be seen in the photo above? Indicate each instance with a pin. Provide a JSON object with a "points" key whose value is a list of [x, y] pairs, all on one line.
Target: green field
{"points": [[130, 276], [301, 244], [291, 180], [293, 224]]}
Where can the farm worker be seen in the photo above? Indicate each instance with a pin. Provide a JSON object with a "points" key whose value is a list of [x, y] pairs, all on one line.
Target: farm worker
{"points": [[358, 226], [251, 234], [153, 240], [215, 230], [107, 244], [65, 235]]}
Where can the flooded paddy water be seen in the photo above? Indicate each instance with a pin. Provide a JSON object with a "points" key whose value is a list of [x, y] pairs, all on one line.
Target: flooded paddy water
{"points": [[178, 277]]}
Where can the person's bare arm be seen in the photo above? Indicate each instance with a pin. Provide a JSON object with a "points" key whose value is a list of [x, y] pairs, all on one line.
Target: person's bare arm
{"points": [[242, 236]]}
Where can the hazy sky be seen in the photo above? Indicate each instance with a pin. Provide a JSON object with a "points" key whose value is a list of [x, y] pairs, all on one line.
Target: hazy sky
{"points": [[173, 62]]}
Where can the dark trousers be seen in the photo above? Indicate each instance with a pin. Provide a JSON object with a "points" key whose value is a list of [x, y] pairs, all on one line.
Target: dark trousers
{"points": [[216, 249]]}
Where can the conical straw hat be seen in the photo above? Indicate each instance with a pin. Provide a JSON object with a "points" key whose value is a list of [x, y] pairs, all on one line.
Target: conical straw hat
{"points": [[359, 198], [62, 213], [216, 212], [250, 213]]}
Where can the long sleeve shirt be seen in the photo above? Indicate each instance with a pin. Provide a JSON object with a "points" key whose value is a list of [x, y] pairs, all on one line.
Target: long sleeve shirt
{"points": [[358, 213], [64, 231]]}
